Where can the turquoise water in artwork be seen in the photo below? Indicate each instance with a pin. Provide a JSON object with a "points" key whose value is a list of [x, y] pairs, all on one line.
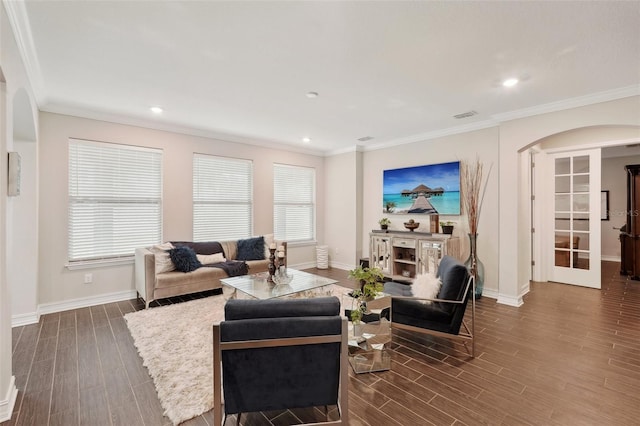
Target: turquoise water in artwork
{"points": [[446, 204]]}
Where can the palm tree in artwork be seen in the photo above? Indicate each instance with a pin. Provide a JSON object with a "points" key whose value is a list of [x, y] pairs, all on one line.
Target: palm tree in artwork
{"points": [[390, 206]]}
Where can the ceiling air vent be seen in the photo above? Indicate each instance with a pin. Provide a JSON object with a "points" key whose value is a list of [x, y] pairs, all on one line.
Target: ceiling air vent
{"points": [[465, 114], [365, 138]]}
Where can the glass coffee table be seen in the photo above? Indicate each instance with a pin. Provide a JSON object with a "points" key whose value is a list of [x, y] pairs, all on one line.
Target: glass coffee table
{"points": [[257, 286]]}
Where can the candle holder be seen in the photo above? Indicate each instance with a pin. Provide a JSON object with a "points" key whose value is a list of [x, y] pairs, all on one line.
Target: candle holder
{"points": [[272, 264]]}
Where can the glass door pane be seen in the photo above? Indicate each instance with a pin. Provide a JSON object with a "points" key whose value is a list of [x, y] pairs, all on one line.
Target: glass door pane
{"points": [[571, 214]]}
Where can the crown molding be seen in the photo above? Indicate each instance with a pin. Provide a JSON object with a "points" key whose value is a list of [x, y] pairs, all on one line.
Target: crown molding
{"points": [[175, 128], [496, 119], [486, 124], [19, 21], [580, 101]]}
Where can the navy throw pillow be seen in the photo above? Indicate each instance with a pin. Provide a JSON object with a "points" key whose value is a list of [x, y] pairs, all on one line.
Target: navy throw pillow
{"points": [[251, 249], [184, 259]]}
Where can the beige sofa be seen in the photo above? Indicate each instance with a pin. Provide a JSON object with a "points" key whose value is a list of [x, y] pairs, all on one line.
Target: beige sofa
{"points": [[152, 286]]}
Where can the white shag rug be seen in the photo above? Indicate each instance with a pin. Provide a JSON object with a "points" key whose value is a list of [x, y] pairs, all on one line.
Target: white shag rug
{"points": [[176, 345]]}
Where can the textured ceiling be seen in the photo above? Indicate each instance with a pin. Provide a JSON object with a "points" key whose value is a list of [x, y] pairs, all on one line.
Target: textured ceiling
{"points": [[395, 71]]}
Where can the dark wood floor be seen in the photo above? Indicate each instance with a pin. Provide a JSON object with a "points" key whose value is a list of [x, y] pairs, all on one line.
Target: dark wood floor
{"points": [[569, 356]]}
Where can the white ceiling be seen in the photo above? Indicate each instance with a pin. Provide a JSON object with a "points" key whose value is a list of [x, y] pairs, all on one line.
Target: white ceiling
{"points": [[395, 71]]}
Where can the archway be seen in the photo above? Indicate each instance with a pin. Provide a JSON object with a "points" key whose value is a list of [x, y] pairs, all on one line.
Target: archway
{"points": [[22, 216], [588, 137]]}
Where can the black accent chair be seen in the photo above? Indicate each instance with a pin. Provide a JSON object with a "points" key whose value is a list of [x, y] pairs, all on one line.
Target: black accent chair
{"points": [[278, 354], [445, 315]]}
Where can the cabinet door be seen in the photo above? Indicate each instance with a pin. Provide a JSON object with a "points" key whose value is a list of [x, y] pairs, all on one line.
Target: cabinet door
{"points": [[380, 253], [429, 255]]}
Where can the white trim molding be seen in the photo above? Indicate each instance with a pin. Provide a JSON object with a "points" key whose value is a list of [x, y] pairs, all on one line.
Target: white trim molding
{"points": [[24, 319], [611, 258], [491, 294], [9, 401], [510, 300], [84, 302], [579, 101], [19, 21], [66, 305]]}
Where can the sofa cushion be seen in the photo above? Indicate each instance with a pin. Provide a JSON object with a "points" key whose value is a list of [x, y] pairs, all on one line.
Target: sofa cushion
{"points": [[209, 259], [163, 262], [426, 286], [204, 247], [184, 259], [251, 249]]}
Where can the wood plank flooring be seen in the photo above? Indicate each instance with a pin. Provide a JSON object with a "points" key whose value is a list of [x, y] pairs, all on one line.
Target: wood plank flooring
{"points": [[568, 356]]}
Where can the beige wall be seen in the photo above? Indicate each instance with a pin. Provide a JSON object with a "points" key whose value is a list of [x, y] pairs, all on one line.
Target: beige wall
{"points": [[465, 147], [343, 209], [59, 284]]}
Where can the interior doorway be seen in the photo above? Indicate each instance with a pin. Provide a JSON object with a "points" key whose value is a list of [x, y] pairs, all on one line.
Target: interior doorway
{"points": [[615, 154]]}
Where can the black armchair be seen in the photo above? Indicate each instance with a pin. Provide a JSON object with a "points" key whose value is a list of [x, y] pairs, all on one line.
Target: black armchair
{"points": [[278, 354], [444, 316]]}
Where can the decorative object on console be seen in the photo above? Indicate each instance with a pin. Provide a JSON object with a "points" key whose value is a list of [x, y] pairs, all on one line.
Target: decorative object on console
{"points": [[384, 223], [473, 196], [411, 225], [433, 223], [447, 227]]}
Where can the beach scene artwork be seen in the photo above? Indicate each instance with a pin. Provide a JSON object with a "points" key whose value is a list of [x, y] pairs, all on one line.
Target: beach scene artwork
{"points": [[429, 189]]}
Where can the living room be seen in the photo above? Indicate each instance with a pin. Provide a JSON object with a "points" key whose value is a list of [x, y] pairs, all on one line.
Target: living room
{"points": [[348, 191]]}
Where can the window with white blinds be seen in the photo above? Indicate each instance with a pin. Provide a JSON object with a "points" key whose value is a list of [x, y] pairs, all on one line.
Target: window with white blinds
{"points": [[294, 203], [115, 199], [222, 198]]}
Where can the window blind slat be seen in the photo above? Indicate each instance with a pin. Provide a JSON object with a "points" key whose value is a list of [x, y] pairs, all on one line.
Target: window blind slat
{"points": [[114, 199], [293, 203], [222, 198]]}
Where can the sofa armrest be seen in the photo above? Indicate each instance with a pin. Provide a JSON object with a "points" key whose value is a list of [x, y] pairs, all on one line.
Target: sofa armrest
{"points": [[145, 274]]}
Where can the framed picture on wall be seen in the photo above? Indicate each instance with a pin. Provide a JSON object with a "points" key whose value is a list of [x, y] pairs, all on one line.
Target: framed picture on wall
{"points": [[427, 189], [604, 205]]}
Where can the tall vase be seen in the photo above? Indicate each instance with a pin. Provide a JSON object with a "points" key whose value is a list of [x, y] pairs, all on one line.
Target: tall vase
{"points": [[475, 266]]}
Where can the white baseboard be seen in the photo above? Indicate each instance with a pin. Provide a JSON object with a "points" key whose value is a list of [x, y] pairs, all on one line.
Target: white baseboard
{"points": [[491, 294], [343, 266], [305, 265], [84, 302], [7, 404], [611, 258], [66, 305], [25, 319], [510, 300]]}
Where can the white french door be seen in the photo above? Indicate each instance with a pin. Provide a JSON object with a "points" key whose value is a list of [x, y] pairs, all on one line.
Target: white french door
{"points": [[575, 218]]}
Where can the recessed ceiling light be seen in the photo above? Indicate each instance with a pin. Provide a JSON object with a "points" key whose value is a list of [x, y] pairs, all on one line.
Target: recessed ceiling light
{"points": [[156, 110], [312, 95], [306, 140], [510, 82]]}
